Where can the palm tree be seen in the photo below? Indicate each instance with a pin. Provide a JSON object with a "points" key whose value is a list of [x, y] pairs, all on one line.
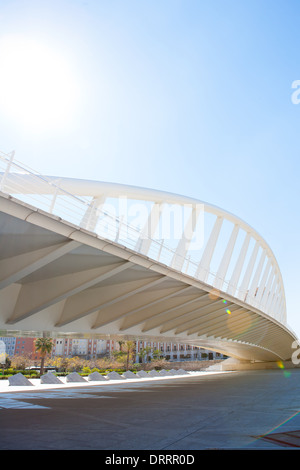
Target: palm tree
{"points": [[44, 347]]}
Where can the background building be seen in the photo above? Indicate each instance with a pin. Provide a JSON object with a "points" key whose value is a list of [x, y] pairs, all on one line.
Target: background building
{"points": [[173, 352], [10, 344], [89, 348], [20, 346]]}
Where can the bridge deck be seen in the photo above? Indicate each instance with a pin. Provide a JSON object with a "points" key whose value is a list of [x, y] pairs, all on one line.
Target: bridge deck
{"points": [[58, 278]]}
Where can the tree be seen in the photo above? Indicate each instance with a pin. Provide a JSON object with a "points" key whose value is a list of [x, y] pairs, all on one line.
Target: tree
{"points": [[7, 363], [157, 354], [142, 354], [74, 363], [129, 349], [44, 347], [145, 353], [21, 361], [57, 362]]}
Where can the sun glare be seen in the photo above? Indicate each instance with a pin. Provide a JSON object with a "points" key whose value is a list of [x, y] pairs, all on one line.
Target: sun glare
{"points": [[37, 88]]}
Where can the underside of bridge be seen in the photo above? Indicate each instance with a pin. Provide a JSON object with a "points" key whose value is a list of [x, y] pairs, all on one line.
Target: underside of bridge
{"points": [[63, 280]]}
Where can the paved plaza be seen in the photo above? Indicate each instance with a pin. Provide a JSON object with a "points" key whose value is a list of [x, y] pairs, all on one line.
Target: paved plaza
{"points": [[205, 410]]}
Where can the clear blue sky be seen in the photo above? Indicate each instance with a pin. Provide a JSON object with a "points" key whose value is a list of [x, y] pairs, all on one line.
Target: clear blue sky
{"points": [[187, 96]]}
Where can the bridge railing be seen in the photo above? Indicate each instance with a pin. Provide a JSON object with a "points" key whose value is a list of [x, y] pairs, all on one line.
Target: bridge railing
{"points": [[255, 276]]}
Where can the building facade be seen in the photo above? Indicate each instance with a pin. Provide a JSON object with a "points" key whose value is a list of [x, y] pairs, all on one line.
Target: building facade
{"points": [[145, 351], [21, 346], [90, 348], [87, 347]]}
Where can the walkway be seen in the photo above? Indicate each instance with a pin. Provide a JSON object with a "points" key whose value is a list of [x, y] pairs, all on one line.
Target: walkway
{"points": [[201, 411]]}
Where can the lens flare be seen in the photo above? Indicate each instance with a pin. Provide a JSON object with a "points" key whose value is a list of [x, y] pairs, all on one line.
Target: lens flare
{"points": [[286, 373], [239, 328]]}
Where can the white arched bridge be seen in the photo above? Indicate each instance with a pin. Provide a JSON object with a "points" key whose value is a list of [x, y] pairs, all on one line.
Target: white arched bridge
{"points": [[89, 258]]}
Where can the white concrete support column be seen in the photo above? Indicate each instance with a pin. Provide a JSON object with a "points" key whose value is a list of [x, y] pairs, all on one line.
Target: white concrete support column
{"points": [[187, 235], [280, 309], [255, 281], [55, 194], [239, 266], [277, 303], [90, 218], [267, 291], [7, 170], [272, 310], [119, 229], [220, 278], [262, 285], [247, 276], [273, 304], [148, 232], [283, 311], [161, 245], [202, 272], [272, 292]]}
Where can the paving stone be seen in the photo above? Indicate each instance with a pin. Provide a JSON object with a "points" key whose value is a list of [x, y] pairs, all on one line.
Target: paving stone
{"points": [[19, 380], [74, 377], [153, 373]]}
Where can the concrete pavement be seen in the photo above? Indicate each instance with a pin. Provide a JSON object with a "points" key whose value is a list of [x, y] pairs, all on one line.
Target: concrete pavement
{"points": [[202, 411]]}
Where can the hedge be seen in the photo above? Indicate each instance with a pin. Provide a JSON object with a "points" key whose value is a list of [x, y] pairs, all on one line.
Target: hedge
{"points": [[4, 374]]}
